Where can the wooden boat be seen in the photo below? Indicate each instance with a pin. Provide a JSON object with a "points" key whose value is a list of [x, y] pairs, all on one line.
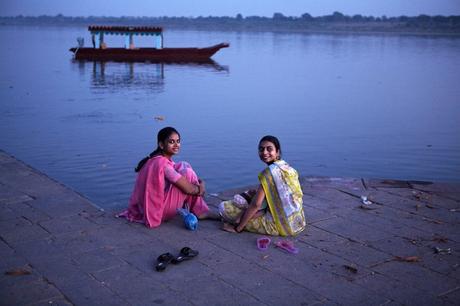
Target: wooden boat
{"points": [[101, 52]]}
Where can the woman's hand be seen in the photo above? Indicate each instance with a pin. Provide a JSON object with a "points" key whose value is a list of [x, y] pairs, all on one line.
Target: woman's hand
{"points": [[189, 188]]}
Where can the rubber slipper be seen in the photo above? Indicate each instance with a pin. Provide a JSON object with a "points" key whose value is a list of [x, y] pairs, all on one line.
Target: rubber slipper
{"points": [[288, 246], [186, 253], [263, 243], [163, 260]]}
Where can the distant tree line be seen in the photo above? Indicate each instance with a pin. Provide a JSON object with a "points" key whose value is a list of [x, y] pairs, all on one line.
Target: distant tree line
{"points": [[336, 22]]}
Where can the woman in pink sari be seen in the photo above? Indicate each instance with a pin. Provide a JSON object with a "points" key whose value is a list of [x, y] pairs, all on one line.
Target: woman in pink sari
{"points": [[163, 186]]}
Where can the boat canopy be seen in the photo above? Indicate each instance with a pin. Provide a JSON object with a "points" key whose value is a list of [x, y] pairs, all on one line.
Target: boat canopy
{"points": [[125, 30]]}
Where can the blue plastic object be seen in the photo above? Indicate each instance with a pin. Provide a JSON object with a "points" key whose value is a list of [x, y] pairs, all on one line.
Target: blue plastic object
{"points": [[190, 220]]}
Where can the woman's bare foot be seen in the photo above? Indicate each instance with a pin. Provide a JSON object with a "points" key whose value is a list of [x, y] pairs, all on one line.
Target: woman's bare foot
{"points": [[212, 215], [228, 227], [238, 219]]}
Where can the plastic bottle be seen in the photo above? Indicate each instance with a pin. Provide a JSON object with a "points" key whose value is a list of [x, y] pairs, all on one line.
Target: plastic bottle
{"points": [[190, 220]]}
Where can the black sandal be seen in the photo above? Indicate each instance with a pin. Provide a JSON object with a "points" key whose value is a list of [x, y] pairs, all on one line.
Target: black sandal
{"points": [[185, 254], [163, 260]]}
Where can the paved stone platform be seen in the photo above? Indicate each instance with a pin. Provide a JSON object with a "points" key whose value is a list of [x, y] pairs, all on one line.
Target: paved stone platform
{"points": [[56, 248]]}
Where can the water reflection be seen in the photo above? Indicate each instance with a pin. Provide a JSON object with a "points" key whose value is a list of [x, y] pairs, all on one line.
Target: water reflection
{"points": [[116, 76], [123, 76]]}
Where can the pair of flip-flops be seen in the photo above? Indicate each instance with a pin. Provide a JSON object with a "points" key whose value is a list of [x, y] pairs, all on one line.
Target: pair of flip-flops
{"points": [[286, 245], [165, 259]]}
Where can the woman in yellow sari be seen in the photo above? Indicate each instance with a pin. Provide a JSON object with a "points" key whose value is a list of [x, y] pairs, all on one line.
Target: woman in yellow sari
{"points": [[276, 208]]}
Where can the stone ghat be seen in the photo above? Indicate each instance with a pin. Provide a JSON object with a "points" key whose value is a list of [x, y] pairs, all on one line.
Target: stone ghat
{"points": [[368, 241]]}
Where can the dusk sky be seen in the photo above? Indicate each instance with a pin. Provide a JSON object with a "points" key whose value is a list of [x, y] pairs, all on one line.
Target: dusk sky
{"points": [[194, 8]]}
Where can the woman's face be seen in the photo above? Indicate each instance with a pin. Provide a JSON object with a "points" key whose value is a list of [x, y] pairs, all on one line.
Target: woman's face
{"points": [[171, 146], [268, 152]]}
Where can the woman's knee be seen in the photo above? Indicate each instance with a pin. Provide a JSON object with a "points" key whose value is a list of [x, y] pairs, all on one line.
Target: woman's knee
{"points": [[182, 167], [185, 169]]}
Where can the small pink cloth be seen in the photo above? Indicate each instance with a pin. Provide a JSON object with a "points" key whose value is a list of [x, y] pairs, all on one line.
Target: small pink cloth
{"points": [[155, 198]]}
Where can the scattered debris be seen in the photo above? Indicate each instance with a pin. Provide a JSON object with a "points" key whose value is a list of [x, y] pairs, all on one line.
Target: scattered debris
{"points": [[417, 206], [84, 214], [420, 195], [18, 272], [365, 200], [265, 256], [449, 291], [454, 209], [366, 203], [407, 258], [440, 239], [442, 251], [433, 221], [159, 118], [351, 268]]}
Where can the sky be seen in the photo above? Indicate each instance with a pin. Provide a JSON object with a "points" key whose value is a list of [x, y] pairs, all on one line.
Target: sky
{"points": [[194, 8]]}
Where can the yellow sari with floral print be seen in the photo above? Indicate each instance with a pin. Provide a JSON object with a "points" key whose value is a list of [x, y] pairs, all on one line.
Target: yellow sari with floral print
{"points": [[283, 194]]}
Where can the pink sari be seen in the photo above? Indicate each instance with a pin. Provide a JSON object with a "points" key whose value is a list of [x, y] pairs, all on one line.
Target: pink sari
{"points": [[154, 200]]}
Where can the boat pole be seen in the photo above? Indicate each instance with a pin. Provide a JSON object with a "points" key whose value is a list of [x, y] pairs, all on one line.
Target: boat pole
{"points": [[131, 41], [102, 45]]}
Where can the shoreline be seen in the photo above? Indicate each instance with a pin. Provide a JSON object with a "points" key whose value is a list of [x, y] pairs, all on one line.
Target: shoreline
{"points": [[337, 31]]}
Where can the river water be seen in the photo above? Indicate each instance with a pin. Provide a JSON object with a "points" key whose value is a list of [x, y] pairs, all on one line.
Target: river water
{"points": [[381, 106]]}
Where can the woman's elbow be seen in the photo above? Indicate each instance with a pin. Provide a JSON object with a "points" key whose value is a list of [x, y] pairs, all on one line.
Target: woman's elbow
{"points": [[257, 205]]}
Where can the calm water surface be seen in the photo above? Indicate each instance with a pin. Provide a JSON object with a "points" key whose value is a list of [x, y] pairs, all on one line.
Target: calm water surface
{"points": [[342, 105]]}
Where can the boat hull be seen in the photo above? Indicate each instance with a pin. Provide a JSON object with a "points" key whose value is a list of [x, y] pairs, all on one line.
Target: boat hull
{"points": [[148, 54]]}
